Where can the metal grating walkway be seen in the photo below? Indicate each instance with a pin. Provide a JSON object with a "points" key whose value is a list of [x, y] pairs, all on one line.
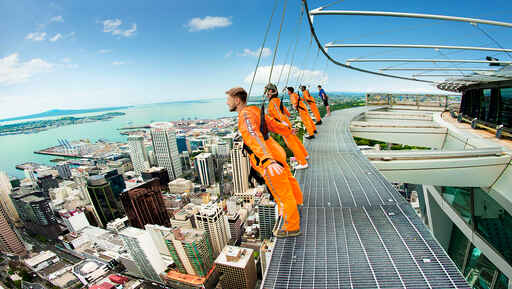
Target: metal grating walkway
{"points": [[357, 231]]}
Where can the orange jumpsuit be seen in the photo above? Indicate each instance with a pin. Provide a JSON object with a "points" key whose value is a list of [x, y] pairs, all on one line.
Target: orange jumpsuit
{"points": [[260, 157], [299, 105], [291, 140], [312, 104]]}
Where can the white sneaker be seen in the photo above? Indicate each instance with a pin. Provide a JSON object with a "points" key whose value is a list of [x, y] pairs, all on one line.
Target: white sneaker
{"points": [[301, 167], [307, 158]]}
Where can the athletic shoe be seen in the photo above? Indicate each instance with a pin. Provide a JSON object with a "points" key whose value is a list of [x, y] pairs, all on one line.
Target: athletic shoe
{"points": [[301, 167], [318, 122], [310, 136], [307, 158], [283, 234]]}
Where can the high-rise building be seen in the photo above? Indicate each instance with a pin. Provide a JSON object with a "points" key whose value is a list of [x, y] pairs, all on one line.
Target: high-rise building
{"points": [[212, 219], [46, 182], [10, 242], [223, 150], [205, 168], [237, 267], [143, 205], [185, 160], [161, 173], [144, 252], [180, 186], [267, 212], [29, 174], [5, 199], [116, 181], [64, 170], [75, 220], [235, 227], [35, 213], [182, 143], [158, 234], [191, 251], [102, 197], [138, 153], [166, 151], [240, 164]]}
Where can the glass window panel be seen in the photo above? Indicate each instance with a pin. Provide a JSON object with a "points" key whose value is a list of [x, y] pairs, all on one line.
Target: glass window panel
{"points": [[506, 107], [458, 246], [485, 100], [493, 223], [501, 282], [479, 270], [460, 199]]}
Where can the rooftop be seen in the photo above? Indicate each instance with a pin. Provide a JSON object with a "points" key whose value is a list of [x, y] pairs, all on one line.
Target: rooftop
{"points": [[234, 256]]}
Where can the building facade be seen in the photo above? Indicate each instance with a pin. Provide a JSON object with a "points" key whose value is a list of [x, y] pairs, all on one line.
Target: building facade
{"points": [[161, 173], [163, 136], [205, 168], [267, 213], [211, 218], [10, 242], [240, 164], [144, 252], [237, 268], [106, 205], [138, 153], [143, 204]]}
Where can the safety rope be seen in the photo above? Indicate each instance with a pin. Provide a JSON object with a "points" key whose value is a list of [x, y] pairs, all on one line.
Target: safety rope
{"points": [[263, 45], [490, 37], [277, 42], [294, 49]]}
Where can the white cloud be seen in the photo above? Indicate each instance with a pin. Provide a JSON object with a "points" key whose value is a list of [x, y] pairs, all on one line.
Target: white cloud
{"points": [[247, 52], [57, 19], [13, 71], [56, 37], [113, 26], [117, 63], [207, 23], [36, 36], [104, 51], [263, 72], [228, 54]]}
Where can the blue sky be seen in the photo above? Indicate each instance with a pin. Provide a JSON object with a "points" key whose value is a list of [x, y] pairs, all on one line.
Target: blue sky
{"points": [[80, 54]]}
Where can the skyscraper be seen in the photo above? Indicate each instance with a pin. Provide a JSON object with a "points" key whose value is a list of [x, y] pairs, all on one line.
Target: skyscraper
{"points": [[64, 170], [35, 212], [10, 242], [240, 164], [165, 148], [116, 182], [138, 153], [144, 252], [160, 173], [5, 199], [143, 205], [191, 251], [158, 234], [235, 227], [205, 169], [182, 143], [212, 219], [237, 267], [105, 203], [267, 212]]}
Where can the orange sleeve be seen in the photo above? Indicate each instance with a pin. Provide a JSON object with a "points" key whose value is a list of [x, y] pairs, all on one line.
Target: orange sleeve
{"points": [[250, 131], [273, 109], [278, 127], [286, 111], [308, 97]]}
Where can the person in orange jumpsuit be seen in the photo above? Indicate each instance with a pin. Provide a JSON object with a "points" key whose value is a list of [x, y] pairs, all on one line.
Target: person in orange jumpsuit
{"points": [[301, 107], [263, 159], [278, 112], [312, 104]]}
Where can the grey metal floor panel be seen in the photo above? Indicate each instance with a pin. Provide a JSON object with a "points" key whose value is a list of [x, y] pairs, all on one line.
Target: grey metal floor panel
{"points": [[357, 231]]}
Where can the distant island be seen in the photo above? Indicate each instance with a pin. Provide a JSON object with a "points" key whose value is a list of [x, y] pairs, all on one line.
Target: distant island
{"points": [[59, 112], [36, 126]]}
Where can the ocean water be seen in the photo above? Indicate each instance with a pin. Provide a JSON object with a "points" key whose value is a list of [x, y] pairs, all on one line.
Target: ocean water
{"points": [[17, 149]]}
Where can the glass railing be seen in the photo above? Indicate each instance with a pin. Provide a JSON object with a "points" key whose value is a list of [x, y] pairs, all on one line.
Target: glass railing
{"points": [[420, 100]]}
